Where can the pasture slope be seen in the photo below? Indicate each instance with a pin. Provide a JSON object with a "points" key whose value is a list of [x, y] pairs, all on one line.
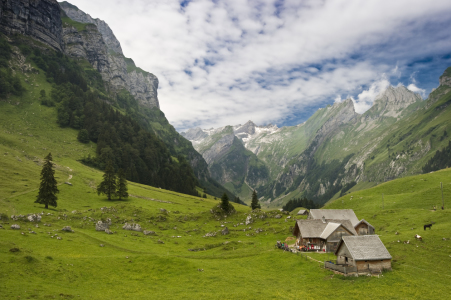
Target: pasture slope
{"points": [[241, 265]]}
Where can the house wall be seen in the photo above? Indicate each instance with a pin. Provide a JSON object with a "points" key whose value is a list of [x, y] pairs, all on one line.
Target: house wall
{"points": [[344, 253], [334, 239], [373, 265]]}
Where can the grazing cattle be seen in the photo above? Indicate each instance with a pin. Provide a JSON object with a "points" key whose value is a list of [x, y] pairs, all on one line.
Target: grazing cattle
{"points": [[418, 237], [427, 225]]}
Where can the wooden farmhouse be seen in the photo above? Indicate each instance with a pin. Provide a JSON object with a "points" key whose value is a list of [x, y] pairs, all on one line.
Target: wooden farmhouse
{"points": [[361, 254], [322, 235], [362, 227]]}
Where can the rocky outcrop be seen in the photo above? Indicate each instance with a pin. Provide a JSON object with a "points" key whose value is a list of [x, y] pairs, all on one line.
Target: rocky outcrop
{"points": [[108, 36], [87, 44], [194, 134], [39, 19], [100, 47]]}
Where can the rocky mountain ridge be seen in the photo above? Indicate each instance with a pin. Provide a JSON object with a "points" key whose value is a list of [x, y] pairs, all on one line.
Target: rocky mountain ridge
{"points": [[289, 154]]}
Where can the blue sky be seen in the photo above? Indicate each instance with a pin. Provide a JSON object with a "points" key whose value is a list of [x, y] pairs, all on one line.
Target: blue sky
{"points": [[278, 61]]}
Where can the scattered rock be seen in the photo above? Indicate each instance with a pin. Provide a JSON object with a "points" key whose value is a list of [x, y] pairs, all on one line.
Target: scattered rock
{"points": [[225, 231], [210, 234], [160, 242], [34, 218], [101, 226], [67, 228], [149, 232], [102, 245], [107, 231], [32, 232], [68, 183], [164, 211], [258, 230], [277, 217], [200, 270], [248, 220], [289, 217], [15, 226], [59, 238], [397, 233], [134, 227]]}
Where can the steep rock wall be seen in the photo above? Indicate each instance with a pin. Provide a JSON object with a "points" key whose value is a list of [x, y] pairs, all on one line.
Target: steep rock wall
{"points": [[39, 19]]}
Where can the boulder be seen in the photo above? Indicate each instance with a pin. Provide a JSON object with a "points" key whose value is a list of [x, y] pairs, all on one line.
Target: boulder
{"points": [[67, 228], [134, 227], [210, 234], [34, 218], [15, 226], [149, 232], [277, 217], [248, 220], [101, 226], [225, 231], [107, 231]]}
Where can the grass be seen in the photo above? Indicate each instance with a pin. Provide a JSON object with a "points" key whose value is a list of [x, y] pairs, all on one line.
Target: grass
{"points": [[242, 264]]}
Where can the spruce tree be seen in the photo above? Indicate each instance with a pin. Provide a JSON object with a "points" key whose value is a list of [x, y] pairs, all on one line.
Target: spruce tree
{"points": [[225, 202], [122, 190], [48, 187], [108, 185], [255, 204]]}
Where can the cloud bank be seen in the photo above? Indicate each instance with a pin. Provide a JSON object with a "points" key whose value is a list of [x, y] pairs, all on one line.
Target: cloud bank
{"points": [[225, 62]]}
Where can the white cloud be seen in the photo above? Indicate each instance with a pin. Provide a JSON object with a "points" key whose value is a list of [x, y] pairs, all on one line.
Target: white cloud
{"points": [[253, 60], [412, 87], [366, 98]]}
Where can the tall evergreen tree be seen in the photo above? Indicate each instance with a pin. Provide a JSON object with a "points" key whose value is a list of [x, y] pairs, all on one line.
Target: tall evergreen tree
{"points": [[255, 204], [122, 190], [225, 202], [48, 187], [108, 185]]}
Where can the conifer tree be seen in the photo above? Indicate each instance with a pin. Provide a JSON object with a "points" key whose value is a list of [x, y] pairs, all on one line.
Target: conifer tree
{"points": [[122, 190], [48, 187], [108, 185], [255, 204], [225, 202]]}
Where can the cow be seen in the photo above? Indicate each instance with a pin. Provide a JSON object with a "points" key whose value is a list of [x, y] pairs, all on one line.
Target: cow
{"points": [[418, 237], [427, 226]]}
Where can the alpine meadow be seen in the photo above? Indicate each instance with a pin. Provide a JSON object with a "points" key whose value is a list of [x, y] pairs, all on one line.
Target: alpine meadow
{"points": [[105, 196]]}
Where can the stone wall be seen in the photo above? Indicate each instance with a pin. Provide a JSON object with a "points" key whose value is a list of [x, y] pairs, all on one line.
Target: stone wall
{"points": [[373, 265]]}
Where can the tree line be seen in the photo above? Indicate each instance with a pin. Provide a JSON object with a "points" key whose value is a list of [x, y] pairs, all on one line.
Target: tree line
{"points": [[299, 202], [441, 160]]}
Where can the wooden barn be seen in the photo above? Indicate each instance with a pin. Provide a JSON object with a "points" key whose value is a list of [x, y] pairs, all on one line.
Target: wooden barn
{"points": [[365, 254], [361, 227], [321, 235]]}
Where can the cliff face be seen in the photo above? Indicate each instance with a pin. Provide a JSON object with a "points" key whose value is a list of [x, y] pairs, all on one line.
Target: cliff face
{"points": [[98, 44], [77, 15], [39, 19]]}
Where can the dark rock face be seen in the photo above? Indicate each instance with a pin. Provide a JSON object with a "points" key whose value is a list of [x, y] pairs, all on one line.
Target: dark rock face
{"points": [[88, 44], [39, 19]]}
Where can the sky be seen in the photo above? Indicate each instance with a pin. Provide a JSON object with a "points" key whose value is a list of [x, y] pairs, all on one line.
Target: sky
{"points": [[277, 61]]}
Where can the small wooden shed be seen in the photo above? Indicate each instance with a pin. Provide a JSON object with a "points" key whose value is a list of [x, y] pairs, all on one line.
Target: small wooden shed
{"points": [[302, 212], [364, 228], [367, 253]]}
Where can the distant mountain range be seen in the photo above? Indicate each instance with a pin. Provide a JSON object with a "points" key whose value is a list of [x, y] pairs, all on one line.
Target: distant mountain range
{"points": [[334, 150]]}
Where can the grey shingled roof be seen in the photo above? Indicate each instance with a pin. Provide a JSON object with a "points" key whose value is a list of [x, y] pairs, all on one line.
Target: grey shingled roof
{"points": [[330, 228], [334, 214], [367, 247], [301, 212], [317, 229]]}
